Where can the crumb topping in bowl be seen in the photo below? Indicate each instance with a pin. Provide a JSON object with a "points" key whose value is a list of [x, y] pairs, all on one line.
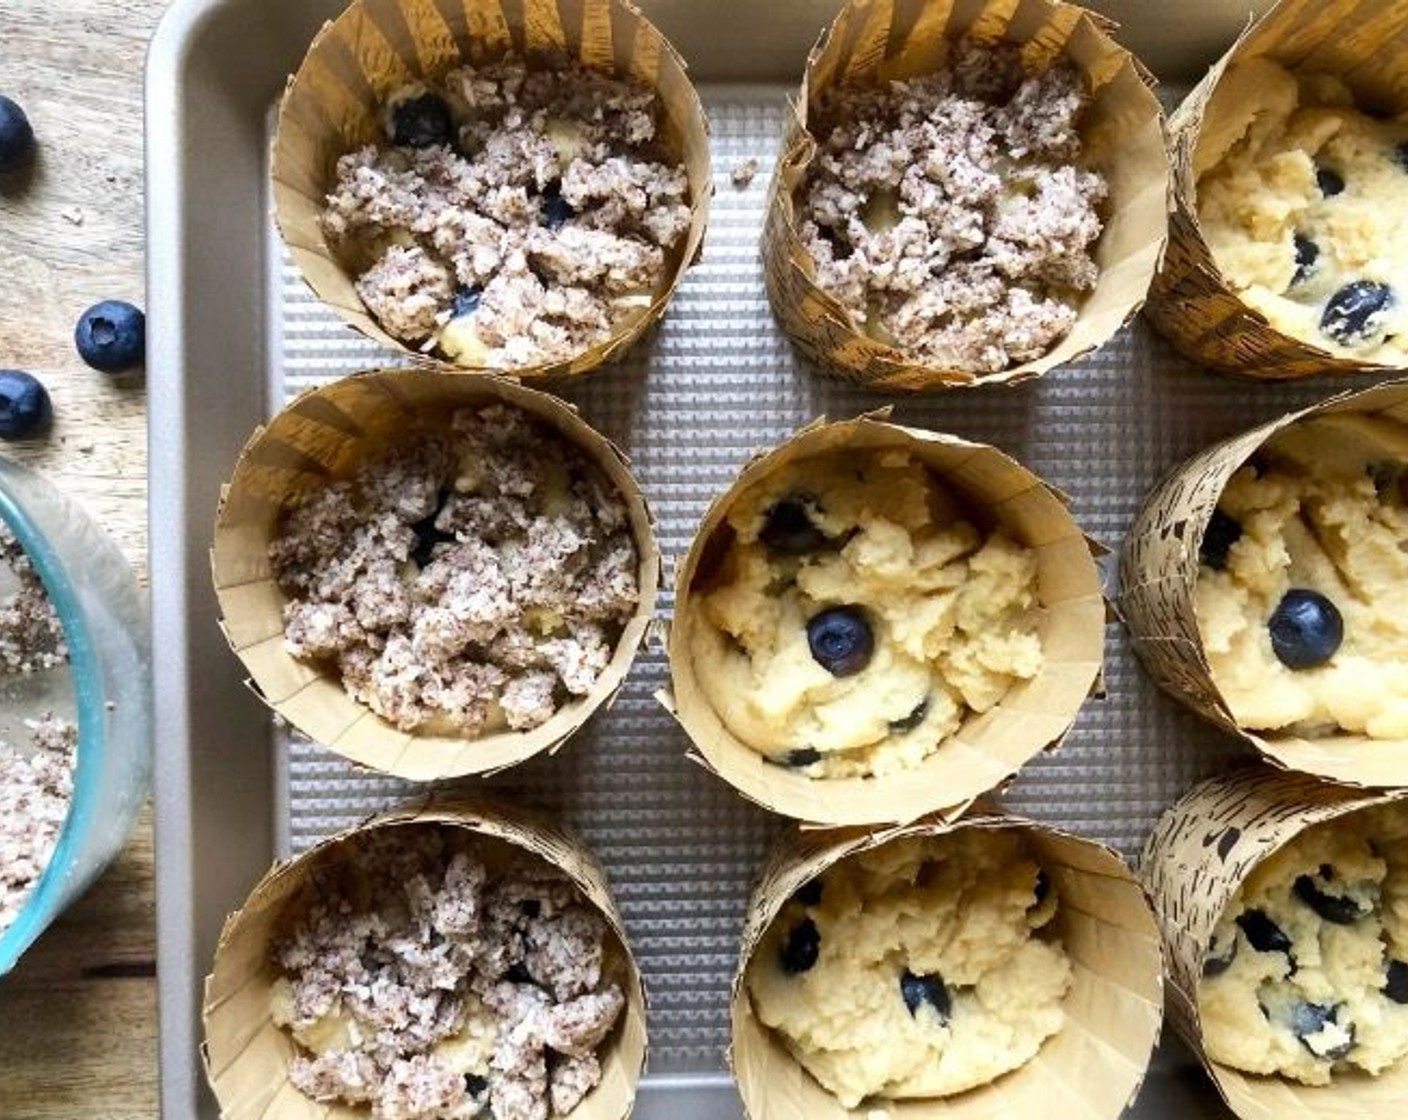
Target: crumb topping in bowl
{"points": [[36, 770]]}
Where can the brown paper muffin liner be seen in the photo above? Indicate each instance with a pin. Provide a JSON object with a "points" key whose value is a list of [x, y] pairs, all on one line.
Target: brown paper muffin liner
{"points": [[323, 436], [882, 40], [376, 46], [1158, 574], [1092, 1067], [1191, 303], [1196, 859], [986, 750], [247, 1055]]}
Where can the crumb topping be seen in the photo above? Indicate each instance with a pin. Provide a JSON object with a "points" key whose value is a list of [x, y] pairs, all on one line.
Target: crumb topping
{"points": [[949, 215], [35, 788], [471, 581], [31, 635], [744, 171], [514, 216], [428, 983], [36, 776]]}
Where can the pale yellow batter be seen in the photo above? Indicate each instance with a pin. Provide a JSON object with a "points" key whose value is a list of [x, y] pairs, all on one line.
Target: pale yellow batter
{"points": [[933, 969], [952, 613], [1324, 507], [1308, 972], [1303, 201]]}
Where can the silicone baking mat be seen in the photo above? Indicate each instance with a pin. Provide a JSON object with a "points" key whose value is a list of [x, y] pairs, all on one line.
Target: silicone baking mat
{"points": [[715, 383]]}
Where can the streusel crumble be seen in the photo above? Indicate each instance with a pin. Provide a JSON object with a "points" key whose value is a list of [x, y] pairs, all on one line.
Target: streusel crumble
{"points": [[950, 215], [517, 215], [36, 775], [430, 976], [463, 581]]}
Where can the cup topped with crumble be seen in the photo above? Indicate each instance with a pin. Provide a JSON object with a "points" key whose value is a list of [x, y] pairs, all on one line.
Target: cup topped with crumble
{"points": [[454, 574], [517, 206], [965, 196]]}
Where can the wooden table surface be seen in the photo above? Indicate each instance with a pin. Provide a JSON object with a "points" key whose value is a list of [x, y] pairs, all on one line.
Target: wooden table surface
{"points": [[78, 1023]]}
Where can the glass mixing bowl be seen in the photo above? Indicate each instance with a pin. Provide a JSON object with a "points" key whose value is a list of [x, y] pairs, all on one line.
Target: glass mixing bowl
{"points": [[107, 691]]}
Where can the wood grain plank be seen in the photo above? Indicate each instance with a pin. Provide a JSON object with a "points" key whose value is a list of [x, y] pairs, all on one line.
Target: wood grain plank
{"points": [[78, 1030]]}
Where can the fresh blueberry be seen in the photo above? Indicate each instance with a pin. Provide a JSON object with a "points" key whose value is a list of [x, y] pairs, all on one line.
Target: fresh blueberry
{"points": [[1330, 182], [801, 949], [841, 641], [1334, 908], [466, 301], [789, 531], [112, 336], [421, 122], [475, 1085], [1383, 476], [1352, 313], [1307, 253], [1219, 961], [1306, 629], [919, 990], [1264, 935], [1396, 987], [802, 756], [1309, 1019], [25, 410], [16, 135], [556, 209], [809, 893], [910, 722], [518, 974], [1221, 534], [841, 248], [428, 536]]}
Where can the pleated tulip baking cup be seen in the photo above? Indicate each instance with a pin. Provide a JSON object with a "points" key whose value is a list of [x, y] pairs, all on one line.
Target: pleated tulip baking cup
{"points": [[986, 750], [247, 1055], [1159, 573], [876, 41], [324, 436], [1196, 859], [331, 108], [1092, 1067], [1192, 303]]}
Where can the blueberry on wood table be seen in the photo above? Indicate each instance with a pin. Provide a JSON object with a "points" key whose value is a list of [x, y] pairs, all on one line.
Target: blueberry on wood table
{"points": [[25, 410], [112, 336], [16, 135]]}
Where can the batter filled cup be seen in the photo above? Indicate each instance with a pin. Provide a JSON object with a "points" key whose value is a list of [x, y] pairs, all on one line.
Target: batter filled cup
{"points": [[877, 622]]}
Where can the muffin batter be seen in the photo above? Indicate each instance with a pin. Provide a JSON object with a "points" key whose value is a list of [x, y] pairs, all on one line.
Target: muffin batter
{"points": [[1300, 592], [918, 969], [950, 214], [1307, 975], [858, 618], [1306, 210]]}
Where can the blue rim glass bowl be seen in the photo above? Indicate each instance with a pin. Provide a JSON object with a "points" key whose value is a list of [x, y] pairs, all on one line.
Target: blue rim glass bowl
{"points": [[105, 620]]}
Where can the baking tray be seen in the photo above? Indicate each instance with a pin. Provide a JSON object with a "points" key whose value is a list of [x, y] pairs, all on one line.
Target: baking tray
{"points": [[234, 333]]}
